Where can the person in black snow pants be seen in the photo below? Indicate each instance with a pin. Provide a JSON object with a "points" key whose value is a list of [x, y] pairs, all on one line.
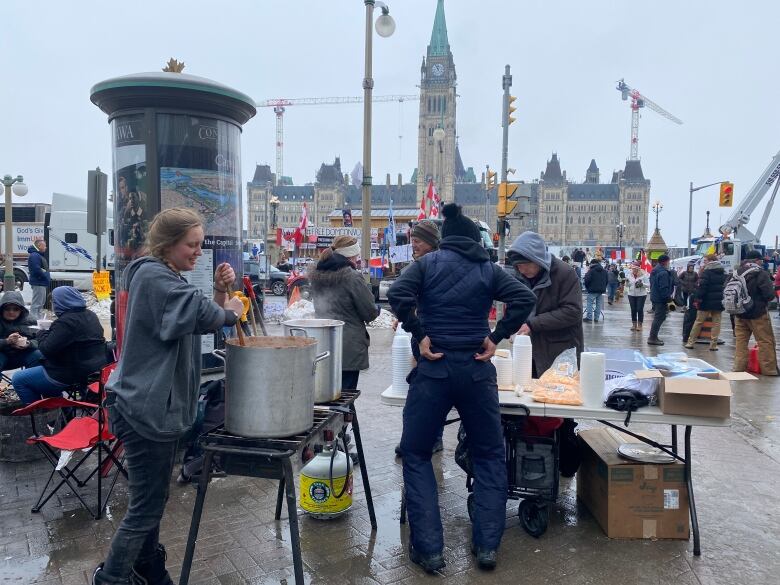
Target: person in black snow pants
{"points": [[444, 300]]}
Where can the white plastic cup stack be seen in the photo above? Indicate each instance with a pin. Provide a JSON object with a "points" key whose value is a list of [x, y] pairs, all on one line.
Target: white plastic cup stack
{"points": [[503, 362], [592, 375], [402, 361], [522, 361]]}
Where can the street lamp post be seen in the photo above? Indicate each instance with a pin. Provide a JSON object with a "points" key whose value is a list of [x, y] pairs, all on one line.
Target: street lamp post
{"points": [[621, 229], [274, 202], [690, 211], [657, 207], [17, 186], [385, 26]]}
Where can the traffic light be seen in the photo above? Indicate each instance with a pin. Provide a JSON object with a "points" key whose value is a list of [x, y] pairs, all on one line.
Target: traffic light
{"points": [[726, 194], [490, 180], [505, 192], [510, 109]]}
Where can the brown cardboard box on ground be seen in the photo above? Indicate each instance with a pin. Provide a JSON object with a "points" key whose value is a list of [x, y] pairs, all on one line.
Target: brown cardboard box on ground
{"points": [[630, 499], [708, 396]]}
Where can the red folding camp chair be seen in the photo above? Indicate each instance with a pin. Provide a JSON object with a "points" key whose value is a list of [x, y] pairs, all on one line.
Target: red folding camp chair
{"points": [[86, 432]]}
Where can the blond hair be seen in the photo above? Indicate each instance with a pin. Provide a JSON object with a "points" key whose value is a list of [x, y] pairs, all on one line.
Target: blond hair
{"points": [[338, 242], [168, 227]]}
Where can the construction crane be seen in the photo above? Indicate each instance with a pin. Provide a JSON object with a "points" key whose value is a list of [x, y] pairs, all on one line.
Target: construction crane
{"points": [[639, 101], [279, 105]]}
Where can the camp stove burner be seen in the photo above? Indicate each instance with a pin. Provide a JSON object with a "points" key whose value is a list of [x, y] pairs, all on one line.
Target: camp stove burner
{"points": [[272, 458]]}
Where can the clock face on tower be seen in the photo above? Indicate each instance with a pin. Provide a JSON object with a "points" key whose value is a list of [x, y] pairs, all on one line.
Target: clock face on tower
{"points": [[437, 69]]}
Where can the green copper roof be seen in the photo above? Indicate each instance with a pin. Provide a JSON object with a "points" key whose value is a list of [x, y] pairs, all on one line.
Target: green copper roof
{"points": [[439, 45]]}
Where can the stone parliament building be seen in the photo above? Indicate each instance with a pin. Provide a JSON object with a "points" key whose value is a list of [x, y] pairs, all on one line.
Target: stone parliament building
{"points": [[565, 213]]}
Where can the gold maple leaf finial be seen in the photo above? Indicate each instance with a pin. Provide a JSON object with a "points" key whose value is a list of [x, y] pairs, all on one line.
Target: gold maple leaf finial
{"points": [[173, 66]]}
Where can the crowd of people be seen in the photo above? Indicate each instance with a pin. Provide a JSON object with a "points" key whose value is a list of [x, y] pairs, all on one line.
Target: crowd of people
{"points": [[700, 293]]}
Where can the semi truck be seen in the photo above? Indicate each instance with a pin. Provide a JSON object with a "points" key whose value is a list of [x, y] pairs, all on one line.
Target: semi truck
{"points": [[71, 250]]}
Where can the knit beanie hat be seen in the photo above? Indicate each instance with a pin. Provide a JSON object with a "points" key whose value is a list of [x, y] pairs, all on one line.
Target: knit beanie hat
{"points": [[428, 232], [457, 224]]}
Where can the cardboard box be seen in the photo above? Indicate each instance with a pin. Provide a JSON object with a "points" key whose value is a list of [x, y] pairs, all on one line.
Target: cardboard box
{"points": [[695, 395], [630, 499]]}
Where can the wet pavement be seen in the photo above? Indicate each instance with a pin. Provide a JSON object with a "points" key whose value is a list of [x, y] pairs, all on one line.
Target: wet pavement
{"points": [[736, 473]]}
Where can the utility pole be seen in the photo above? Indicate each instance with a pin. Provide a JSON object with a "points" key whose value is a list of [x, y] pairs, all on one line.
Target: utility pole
{"points": [[505, 122]]}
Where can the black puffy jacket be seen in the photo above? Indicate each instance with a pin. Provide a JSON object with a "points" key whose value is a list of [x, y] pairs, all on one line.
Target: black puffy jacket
{"points": [[596, 279], [73, 347], [709, 291]]}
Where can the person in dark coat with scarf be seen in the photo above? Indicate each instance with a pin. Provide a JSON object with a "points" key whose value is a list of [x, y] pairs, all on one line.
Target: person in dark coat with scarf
{"points": [[689, 280], [73, 347], [339, 292], [444, 300], [708, 300], [555, 325]]}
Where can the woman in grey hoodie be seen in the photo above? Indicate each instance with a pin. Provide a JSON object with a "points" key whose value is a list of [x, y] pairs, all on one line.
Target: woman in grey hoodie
{"points": [[153, 392]]}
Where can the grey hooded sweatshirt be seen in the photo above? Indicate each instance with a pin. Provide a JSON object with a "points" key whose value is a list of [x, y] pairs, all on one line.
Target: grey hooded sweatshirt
{"points": [[156, 382], [556, 323]]}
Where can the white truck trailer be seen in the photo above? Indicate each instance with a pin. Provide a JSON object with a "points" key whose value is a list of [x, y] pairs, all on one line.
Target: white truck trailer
{"points": [[72, 250]]}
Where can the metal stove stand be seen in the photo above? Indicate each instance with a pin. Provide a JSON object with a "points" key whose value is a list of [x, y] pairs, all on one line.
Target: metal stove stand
{"points": [[272, 459]]}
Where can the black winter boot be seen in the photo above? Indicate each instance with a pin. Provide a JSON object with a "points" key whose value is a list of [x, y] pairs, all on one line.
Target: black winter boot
{"points": [[152, 571], [98, 579]]}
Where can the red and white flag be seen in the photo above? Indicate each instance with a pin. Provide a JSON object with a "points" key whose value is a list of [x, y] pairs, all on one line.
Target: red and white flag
{"points": [[422, 215], [303, 224], [645, 263], [433, 196]]}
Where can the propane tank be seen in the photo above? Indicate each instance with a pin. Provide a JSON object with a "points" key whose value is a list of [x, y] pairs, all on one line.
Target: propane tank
{"points": [[319, 489]]}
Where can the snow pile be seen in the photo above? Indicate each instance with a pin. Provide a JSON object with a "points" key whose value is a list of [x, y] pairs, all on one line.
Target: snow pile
{"points": [[101, 308], [302, 309], [384, 321]]}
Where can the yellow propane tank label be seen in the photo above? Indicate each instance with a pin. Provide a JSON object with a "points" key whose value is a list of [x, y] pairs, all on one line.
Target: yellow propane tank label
{"points": [[316, 495]]}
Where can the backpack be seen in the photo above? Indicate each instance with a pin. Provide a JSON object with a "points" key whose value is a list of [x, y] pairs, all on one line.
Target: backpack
{"points": [[736, 300]]}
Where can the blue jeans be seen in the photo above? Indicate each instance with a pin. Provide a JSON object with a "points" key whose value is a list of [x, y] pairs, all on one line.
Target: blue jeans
{"points": [[33, 384], [26, 358], [434, 388], [149, 465], [612, 291], [594, 306]]}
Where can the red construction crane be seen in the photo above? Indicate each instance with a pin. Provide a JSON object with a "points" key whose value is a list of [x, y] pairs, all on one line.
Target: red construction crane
{"points": [[639, 101], [279, 105]]}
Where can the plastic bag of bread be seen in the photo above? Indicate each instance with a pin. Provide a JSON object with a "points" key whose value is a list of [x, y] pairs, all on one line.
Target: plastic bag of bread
{"points": [[561, 383]]}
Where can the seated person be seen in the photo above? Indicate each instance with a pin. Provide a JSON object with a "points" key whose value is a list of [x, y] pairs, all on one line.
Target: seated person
{"points": [[73, 348], [18, 347]]}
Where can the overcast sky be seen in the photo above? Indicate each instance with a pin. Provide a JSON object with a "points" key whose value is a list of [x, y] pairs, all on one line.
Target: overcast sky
{"points": [[711, 63]]}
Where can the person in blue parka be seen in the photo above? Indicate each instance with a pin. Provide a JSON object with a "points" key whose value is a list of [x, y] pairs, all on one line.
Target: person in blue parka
{"points": [[444, 300]]}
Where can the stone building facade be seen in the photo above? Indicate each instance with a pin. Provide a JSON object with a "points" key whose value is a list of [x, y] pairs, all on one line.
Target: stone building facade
{"points": [[587, 214]]}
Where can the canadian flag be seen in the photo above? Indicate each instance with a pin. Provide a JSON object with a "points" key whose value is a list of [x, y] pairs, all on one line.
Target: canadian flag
{"points": [[300, 231], [422, 215], [433, 196], [645, 263]]}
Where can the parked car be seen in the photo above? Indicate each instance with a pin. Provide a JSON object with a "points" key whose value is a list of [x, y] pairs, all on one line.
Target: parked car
{"points": [[275, 282], [300, 281]]}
